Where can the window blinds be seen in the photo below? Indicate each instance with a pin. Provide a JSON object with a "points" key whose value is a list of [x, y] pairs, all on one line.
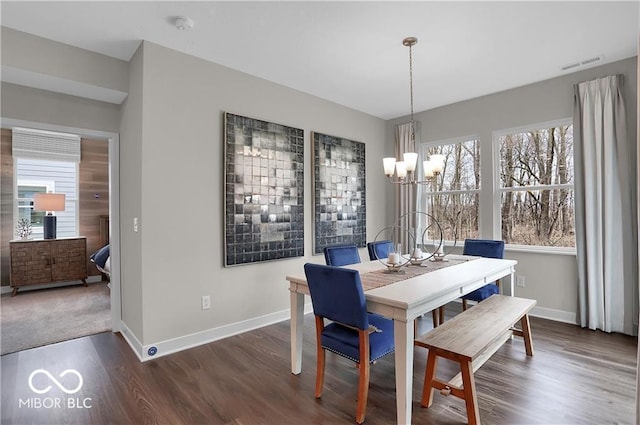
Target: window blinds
{"points": [[45, 145]]}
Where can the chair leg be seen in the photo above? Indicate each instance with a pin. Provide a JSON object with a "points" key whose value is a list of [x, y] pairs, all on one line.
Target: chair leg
{"points": [[464, 304], [441, 312], [363, 381], [434, 317], [321, 355]]}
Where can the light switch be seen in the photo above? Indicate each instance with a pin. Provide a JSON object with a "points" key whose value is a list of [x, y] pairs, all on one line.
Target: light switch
{"points": [[135, 224]]}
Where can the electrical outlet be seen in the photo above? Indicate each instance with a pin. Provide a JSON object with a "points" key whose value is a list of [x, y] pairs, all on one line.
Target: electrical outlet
{"points": [[206, 302], [135, 224], [520, 281]]}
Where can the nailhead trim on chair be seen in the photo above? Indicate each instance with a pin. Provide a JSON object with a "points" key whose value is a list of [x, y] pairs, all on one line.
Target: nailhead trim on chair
{"points": [[356, 360]]}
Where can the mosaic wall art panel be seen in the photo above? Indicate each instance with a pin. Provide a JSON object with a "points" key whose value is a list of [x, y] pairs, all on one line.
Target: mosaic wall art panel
{"points": [[264, 182], [339, 192]]}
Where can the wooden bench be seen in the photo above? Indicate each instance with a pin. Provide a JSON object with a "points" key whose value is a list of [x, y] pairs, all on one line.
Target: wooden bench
{"points": [[470, 339]]}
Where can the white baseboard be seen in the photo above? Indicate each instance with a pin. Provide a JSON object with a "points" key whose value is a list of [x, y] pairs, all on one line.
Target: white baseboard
{"points": [[163, 348], [8, 289], [556, 315], [132, 340]]}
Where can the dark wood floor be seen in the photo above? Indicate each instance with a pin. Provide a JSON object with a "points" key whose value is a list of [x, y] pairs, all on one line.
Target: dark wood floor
{"points": [[577, 376]]}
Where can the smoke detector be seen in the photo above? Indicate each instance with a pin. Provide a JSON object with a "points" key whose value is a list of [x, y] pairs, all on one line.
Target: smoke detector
{"points": [[184, 23]]}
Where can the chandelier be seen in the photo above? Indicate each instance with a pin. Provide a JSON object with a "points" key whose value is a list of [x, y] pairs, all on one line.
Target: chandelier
{"points": [[405, 169]]}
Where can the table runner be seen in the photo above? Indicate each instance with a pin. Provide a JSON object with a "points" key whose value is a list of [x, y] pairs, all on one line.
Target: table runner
{"points": [[379, 278]]}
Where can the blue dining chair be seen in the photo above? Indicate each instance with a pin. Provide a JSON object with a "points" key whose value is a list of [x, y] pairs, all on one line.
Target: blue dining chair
{"points": [[379, 249], [341, 255], [362, 337], [483, 248]]}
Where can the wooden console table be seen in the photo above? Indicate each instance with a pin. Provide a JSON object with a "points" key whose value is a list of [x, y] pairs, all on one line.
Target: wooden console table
{"points": [[41, 261]]}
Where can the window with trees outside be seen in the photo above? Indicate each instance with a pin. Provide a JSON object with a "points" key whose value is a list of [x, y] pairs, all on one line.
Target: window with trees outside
{"points": [[536, 191], [453, 197]]}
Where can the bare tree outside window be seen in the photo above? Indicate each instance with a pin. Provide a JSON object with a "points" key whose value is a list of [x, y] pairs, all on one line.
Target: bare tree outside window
{"points": [[536, 185], [452, 198]]}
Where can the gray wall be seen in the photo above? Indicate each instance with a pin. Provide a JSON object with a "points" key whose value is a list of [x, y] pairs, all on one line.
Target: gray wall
{"points": [[56, 68], [179, 176], [550, 278], [32, 54], [131, 198], [29, 104]]}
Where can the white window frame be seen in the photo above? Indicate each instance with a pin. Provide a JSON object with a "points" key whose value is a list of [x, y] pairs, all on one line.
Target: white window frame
{"points": [[498, 191], [50, 184], [423, 192], [47, 184]]}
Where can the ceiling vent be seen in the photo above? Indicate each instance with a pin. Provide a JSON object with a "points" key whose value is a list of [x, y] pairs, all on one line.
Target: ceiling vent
{"points": [[582, 63]]}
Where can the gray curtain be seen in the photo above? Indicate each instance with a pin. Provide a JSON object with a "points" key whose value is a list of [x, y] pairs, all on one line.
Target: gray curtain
{"points": [[606, 227], [405, 194]]}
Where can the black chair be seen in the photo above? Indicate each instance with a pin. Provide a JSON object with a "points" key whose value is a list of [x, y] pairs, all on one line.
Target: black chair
{"points": [[341, 255], [483, 248], [380, 249], [362, 337]]}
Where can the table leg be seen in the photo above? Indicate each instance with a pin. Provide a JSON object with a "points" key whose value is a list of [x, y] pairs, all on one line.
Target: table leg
{"points": [[297, 319], [403, 337]]}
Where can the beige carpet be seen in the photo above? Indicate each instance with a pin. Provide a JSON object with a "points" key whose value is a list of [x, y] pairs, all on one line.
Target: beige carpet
{"points": [[45, 316]]}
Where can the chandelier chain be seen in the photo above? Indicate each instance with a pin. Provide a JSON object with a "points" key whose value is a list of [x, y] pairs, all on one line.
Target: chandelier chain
{"points": [[411, 78]]}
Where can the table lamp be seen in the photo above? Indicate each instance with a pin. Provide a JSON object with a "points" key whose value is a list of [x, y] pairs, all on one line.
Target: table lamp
{"points": [[49, 202]]}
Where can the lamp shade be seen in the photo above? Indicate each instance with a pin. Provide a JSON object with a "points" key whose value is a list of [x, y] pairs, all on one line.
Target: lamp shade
{"points": [[428, 168], [49, 202], [389, 165], [438, 162], [401, 169], [410, 160]]}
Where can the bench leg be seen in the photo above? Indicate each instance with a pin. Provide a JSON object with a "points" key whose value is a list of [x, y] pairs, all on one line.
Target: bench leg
{"points": [[429, 375], [469, 388], [526, 334]]}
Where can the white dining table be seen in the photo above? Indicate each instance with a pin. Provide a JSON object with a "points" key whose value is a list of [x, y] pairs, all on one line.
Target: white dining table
{"points": [[404, 301]]}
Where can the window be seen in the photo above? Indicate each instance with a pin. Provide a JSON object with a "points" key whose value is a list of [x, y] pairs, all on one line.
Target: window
{"points": [[452, 198], [26, 191], [535, 185], [46, 161], [55, 177]]}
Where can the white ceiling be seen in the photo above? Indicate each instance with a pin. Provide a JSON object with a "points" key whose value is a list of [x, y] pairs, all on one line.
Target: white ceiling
{"points": [[351, 52]]}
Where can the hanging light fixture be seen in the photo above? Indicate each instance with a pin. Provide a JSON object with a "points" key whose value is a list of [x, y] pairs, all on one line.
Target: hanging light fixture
{"points": [[405, 169]]}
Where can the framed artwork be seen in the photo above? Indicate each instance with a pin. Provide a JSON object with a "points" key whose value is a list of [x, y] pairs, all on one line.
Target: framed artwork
{"points": [[340, 207], [264, 190]]}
